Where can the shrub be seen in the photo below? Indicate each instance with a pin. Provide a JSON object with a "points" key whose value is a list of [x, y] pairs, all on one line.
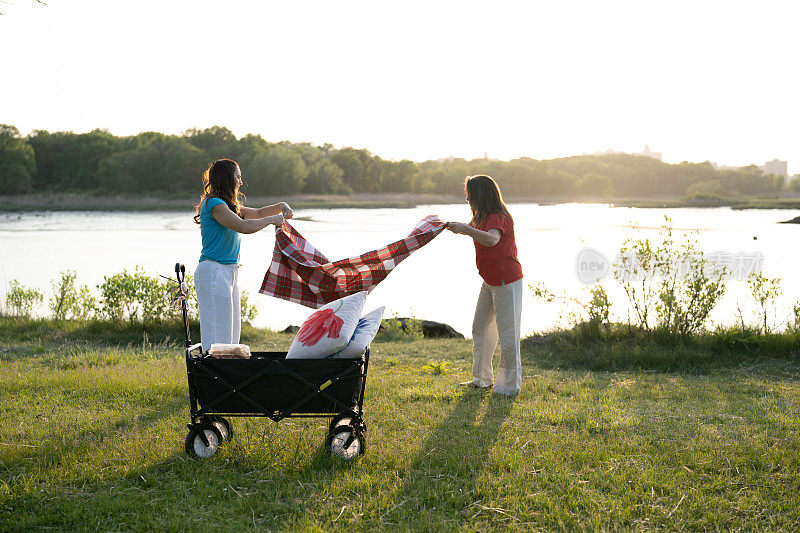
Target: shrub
{"points": [[248, 312], [673, 278], [64, 295], [689, 288], [598, 307], [400, 329], [765, 290], [794, 325], [151, 294], [22, 300], [592, 317], [118, 297], [69, 300], [634, 270], [136, 297]]}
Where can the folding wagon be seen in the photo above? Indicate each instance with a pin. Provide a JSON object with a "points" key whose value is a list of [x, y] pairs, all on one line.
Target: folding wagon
{"points": [[269, 385]]}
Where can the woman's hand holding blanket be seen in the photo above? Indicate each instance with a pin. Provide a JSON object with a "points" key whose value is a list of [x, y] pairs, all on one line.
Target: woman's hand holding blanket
{"points": [[458, 227]]}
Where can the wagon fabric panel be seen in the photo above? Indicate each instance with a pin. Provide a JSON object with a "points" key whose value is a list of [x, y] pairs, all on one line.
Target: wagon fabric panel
{"points": [[277, 385]]}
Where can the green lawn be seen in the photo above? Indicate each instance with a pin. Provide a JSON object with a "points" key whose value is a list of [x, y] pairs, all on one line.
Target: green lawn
{"points": [[94, 423]]}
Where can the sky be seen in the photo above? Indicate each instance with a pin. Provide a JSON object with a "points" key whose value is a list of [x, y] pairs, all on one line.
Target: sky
{"points": [[695, 80]]}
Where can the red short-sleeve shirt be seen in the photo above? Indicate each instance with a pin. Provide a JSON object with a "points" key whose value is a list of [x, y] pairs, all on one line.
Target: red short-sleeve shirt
{"points": [[498, 264]]}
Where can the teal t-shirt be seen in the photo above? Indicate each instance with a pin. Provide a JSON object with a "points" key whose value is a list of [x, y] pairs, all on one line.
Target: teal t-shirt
{"points": [[220, 244]]}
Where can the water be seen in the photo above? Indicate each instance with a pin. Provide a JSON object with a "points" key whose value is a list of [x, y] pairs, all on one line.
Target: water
{"points": [[438, 282]]}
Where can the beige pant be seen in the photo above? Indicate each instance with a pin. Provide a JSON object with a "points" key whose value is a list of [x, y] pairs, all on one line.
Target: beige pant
{"points": [[497, 316]]}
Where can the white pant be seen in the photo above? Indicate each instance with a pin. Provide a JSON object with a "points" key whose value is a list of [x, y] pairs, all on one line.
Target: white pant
{"points": [[497, 315], [217, 287]]}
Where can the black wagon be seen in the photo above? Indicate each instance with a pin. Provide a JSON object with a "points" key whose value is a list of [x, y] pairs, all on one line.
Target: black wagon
{"points": [[269, 385]]}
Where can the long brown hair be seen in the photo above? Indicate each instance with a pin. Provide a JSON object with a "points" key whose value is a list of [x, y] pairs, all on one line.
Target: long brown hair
{"points": [[219, 181], [484, 198]]}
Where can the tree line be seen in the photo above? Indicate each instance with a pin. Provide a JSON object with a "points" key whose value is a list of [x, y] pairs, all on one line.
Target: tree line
{"points": [[155, 163]]}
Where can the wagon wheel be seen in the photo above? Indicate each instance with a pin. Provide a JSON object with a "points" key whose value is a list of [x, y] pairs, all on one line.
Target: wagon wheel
{"points": [[195, 446], [341, 419], [345, 443], [222, 424]]}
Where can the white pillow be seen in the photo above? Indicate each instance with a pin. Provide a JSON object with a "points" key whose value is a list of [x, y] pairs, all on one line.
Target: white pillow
{"points": [[365, 331], [328, 329]]}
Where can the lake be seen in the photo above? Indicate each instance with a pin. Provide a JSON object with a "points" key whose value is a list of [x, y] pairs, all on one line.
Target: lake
{"points": [[438, 282]]}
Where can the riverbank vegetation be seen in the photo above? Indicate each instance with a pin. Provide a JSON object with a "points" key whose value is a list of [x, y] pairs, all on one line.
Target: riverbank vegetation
{"points": [[99, 164]]}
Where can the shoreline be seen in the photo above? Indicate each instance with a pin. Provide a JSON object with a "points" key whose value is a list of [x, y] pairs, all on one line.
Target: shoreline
{"points": [[74, 202], [77, 202]]}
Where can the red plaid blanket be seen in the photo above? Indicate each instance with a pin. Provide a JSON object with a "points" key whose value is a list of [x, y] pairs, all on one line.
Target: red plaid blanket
{"points": [[302, 274]]}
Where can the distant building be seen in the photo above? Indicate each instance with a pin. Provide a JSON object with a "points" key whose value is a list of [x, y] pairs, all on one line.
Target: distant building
{"points": [[776, 167], [779, 168], [648, 153]]}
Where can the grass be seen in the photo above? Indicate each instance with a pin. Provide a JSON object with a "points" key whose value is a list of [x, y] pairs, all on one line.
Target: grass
{"points": [[604, 435]]}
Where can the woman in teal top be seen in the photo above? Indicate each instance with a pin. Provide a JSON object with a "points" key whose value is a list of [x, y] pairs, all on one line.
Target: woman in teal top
{"points": [[222, 218]]}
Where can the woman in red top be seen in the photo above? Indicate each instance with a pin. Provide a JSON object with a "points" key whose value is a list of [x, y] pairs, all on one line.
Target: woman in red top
{"points": [[499, 309]]}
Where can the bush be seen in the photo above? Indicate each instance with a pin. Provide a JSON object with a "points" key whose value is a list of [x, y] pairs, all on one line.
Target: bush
{"points": [[765, 290], [152, 296], [136, 297], [690, 287], [794, 325], [70, 301], [591, 317], [599, 310], [118, 297], [635, 271], [22, 300], [400, 329], [248, 312], [673, 278]]}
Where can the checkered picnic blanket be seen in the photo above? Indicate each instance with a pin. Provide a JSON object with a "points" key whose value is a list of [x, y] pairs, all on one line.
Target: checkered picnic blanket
{"points": [[302, 274]]}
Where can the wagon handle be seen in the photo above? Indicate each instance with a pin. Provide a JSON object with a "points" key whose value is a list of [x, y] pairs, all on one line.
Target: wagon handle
{"points": [[180, 274]]}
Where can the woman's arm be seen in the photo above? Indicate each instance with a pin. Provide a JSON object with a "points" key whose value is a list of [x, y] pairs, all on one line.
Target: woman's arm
{"points": [[231, 220], [486, 238], [281, 208]]}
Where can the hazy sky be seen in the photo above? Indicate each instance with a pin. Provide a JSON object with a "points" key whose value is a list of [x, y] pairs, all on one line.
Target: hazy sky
{"points": [[696, 80]]}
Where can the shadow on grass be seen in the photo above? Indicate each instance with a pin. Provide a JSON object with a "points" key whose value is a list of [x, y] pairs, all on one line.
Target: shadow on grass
{"points": [[447, 466]]}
